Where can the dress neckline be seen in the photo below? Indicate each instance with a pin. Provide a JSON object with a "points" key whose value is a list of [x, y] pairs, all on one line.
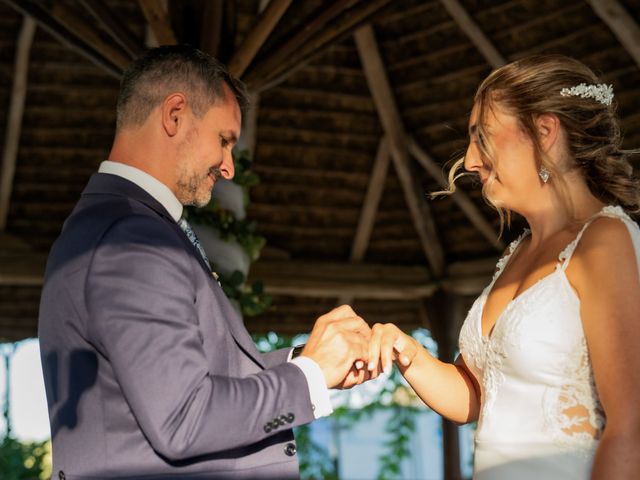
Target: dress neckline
{"points": [[514, 301], [563, 259]]}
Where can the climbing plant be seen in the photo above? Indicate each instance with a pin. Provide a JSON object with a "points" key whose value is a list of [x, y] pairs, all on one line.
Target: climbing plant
{"points": [[394, 396], [19, 460], [251, 299]]}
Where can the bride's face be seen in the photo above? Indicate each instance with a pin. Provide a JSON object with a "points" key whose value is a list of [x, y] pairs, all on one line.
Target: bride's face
{"points": [[509, 176]]}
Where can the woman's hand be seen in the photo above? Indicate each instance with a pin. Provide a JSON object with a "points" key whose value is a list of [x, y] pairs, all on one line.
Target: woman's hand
{"points": [[388, 344]]}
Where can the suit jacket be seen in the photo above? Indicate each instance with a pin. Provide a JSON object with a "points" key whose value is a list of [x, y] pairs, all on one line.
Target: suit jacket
{"points": [[148, 369]]}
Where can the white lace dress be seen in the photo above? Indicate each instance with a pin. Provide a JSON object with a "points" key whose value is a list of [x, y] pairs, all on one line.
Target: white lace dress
{"points": [[540, 416]]}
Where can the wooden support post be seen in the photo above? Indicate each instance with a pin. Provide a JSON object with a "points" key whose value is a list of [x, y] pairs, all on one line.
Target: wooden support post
{"points": [[393, 126], [446, 316], [250, 125], [14, 117]]}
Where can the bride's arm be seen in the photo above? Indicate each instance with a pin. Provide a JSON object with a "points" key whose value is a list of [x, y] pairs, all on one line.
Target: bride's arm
{"points": [[605, 274], [449, 389]]}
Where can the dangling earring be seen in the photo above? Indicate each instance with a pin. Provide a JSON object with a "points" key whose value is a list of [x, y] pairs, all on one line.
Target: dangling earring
{"points": [[544, 174]]}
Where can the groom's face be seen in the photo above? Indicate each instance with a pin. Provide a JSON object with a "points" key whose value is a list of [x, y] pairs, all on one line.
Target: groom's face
{"points": [[205, 153]]}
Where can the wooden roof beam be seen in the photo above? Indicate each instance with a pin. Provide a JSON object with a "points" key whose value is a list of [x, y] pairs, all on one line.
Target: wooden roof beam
{"points": [[55, 28], [375, 188], [369, 210], [259, 73], [158, 18], [368, 281], [81, 29], [621, 23], [459, 196], [14, 116], [256, 37], [328, 27], [114, 26], [20, 266], [393, 126], [474, 32]]}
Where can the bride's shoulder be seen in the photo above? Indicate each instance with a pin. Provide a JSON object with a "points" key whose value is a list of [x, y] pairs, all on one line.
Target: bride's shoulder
{"points": [[605, 247], [605, 235]]}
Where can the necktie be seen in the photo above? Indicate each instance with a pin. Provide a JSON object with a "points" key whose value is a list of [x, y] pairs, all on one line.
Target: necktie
{"points": [[191, 235]]}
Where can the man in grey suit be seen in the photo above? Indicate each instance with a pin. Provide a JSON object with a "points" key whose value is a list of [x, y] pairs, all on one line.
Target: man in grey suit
{"points": [[149, 371]]}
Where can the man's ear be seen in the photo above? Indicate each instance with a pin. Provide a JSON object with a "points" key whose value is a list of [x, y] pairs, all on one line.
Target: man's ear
{"points": [[548, 127], [173, 111]]}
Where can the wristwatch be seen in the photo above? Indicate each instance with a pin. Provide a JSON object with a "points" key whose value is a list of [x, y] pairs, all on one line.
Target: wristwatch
{"points": [[297, 350]]}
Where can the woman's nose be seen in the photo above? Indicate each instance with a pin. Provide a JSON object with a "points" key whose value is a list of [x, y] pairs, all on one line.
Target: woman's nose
{"points": [[472, 161]]}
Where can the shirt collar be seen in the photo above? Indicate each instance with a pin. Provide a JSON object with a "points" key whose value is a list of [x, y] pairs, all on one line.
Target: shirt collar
{"points": [[149, 184]]}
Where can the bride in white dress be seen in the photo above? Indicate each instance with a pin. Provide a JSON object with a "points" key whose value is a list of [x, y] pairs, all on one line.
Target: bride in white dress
{"points": [[549, 360]]}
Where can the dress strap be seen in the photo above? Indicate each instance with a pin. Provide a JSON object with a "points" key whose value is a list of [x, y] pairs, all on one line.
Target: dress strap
{"points": [[504, 260], [608, 211]]}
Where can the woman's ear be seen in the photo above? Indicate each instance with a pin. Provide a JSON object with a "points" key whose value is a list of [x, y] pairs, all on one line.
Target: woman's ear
{"points": [[173, 110], [548, 127]]}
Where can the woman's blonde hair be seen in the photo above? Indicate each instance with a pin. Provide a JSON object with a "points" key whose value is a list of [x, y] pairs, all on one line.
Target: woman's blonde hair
{"points": [[530, 87]]}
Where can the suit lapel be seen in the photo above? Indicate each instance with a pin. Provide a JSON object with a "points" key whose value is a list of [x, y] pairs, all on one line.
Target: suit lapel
{"points": [[103, 183]]}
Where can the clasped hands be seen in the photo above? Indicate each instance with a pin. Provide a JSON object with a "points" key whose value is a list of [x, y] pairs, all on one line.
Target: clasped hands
{"points": [[349, 352]]}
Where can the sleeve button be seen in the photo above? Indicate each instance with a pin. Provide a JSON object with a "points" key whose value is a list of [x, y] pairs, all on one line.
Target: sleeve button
{"points": [[290, 449]]}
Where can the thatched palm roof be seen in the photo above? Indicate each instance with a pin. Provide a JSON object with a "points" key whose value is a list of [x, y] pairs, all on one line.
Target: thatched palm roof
{"points": [[361, 104]]}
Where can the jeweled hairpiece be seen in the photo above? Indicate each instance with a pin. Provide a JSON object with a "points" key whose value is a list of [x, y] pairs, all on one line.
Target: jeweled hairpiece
{"points": [[601, 92]]}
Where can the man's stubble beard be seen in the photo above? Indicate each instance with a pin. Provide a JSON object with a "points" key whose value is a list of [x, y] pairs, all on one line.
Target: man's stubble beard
{"points": [[192, 191], [192, 188]]}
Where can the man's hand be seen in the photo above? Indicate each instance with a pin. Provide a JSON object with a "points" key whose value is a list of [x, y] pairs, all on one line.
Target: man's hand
{"points": [[339, 342]]}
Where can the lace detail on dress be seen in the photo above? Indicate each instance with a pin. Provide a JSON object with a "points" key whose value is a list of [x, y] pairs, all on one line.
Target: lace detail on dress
{"points": [[487, 354], [566, 253], [572, 412], [502, 263], [506, 336], [615, 211], [608, 211]]}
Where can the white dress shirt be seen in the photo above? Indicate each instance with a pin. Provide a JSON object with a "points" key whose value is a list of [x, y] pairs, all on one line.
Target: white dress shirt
{"points": [[318, 391]]}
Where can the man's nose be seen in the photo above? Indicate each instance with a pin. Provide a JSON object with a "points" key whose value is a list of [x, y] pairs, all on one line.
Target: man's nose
{"points": [[227, 169]]}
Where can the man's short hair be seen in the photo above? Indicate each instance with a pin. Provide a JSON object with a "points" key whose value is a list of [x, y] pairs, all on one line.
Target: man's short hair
{"points": [[174, 68]]}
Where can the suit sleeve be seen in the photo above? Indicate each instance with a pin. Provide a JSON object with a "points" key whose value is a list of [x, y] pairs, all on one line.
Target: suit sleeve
{"points": [[276, 357], [140, 295]]}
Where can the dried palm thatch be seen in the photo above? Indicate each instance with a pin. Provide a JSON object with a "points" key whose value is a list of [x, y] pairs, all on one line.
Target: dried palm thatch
{"points": [[361, 105]]}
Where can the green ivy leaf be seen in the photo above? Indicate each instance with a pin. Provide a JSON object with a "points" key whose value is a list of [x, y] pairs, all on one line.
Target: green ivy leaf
{"points": [[237, 278]]}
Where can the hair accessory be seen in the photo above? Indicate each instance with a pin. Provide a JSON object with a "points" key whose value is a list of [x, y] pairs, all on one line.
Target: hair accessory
{"points": [[544, 174], [601, 92]]}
